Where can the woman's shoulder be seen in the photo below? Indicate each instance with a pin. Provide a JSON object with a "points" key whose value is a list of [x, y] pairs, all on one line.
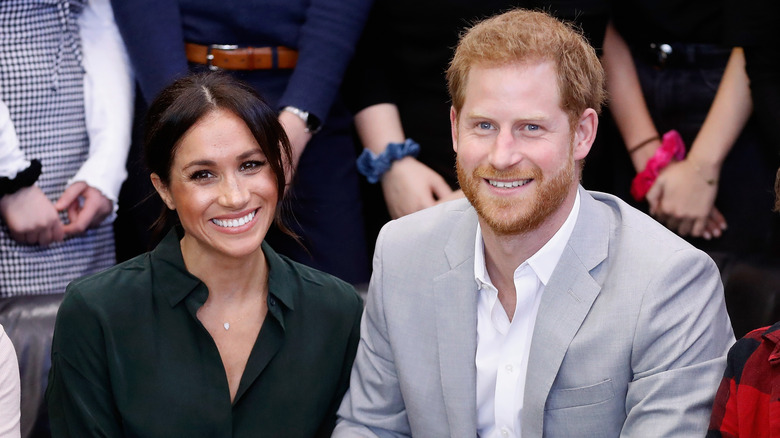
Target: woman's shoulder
{"points": [[312, 285], [114, 286]]}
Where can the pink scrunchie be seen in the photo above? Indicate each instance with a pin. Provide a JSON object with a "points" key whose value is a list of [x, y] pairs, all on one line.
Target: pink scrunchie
{"points": [[672, 148]]}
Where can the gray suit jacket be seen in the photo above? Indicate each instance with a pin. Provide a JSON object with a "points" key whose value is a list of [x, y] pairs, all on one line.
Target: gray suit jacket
{"points": [[630, 338]]}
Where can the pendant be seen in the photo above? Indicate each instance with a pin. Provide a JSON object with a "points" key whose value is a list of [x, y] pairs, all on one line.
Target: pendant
{"points": [[226, 325]]}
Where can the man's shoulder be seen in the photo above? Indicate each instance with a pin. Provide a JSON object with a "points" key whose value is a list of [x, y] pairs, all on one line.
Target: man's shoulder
{"points": [[434, 222], [633, 227]]}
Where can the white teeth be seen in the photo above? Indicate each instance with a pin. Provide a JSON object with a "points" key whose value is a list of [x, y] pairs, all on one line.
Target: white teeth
{"points": [[231, 223], [508, 184]]}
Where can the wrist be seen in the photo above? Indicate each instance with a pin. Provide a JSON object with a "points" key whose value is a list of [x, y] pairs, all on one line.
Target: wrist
{"points": [[672, 148], [25, 178], [311, 122], [374, 166], [709, 172], [640, 157], [644, 143]]}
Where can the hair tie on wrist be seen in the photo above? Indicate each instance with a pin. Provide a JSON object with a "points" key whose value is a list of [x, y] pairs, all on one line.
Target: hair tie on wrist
{"points": [[373, 166], [672, 148], [643, 143], [23, 179]]}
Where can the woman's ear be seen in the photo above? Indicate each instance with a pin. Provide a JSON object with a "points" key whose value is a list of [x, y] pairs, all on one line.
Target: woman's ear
{"points": [[162, 190]]}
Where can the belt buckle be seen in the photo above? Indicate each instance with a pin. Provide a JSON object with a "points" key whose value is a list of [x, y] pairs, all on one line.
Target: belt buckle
{"points": [[662, 52], [210, 56]]}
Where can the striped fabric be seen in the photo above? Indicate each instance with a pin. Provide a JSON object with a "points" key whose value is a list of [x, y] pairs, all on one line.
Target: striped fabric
{"points": [[41, 82]]}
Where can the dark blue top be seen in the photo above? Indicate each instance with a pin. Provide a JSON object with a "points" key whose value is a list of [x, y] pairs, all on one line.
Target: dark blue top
{"points": [[323, 31]]}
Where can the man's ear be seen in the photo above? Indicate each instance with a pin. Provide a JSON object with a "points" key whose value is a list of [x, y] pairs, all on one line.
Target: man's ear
{"points": [[585, 133], [454, 128], [162, 190]]}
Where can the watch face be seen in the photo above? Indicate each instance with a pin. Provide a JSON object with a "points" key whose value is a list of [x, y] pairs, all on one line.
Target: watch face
{"points": [[313, 123]]}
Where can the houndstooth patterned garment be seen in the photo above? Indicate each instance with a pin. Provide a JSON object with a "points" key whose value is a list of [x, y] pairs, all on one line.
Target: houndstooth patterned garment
{"points": [[41, 82]]}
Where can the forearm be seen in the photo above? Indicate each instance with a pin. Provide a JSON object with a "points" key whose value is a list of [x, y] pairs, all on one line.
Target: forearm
{"points": [[378, 125], [326, 44], [727, 116], [12, 160], [108, 100], [627, 103]]}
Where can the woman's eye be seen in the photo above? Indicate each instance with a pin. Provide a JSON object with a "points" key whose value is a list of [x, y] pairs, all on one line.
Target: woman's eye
{"points": [[251, 165], [200, 174]]}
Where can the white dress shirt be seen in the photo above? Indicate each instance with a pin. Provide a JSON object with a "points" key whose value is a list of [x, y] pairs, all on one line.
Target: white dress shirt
{"points": [[503, 346], [108, 97]]}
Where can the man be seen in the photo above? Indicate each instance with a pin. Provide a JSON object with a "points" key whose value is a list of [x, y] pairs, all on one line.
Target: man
{"points": [[533, 307]]}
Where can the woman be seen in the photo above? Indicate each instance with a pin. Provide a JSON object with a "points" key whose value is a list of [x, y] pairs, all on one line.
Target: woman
{"points": [[65, 116], [294, 53], [212, 333]]}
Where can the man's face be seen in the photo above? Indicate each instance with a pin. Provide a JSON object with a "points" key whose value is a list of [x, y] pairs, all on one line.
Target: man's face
{"points": [[515, 150]]}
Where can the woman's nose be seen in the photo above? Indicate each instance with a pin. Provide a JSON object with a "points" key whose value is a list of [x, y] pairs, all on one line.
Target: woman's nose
{"points": [[233, 193]]}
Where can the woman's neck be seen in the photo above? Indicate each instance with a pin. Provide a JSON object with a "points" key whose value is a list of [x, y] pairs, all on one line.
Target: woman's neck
{"points": [[227, 278]]}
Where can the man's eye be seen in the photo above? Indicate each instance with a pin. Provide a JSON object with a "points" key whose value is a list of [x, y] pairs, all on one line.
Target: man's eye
{"points": [[485, 125], [251, 165], [532, 127]]}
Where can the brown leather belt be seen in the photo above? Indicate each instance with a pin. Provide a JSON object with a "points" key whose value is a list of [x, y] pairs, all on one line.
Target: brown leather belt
{"points": [[218, 56]]}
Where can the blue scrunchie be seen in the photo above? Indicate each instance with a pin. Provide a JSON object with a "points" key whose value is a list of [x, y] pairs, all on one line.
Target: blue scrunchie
{"points": [[373, 166]]}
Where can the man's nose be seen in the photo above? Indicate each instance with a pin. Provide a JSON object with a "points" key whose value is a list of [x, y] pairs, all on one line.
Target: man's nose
{"points": [[506, 151]]}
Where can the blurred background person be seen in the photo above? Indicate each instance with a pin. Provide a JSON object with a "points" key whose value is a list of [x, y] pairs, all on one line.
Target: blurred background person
{"points": [[212, 333], [295, 55], [675, 65], [745, 404], [65, 117], [397, 90]]}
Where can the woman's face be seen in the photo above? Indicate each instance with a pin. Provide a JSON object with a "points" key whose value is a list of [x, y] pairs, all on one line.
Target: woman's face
{"points": [[221, 186]]}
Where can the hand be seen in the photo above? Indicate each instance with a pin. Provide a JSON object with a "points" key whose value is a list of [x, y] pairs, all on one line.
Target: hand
{"points": [[683, 200], [456, 194], [85, 205], [295, 129], [31, 217], [410, 185]]}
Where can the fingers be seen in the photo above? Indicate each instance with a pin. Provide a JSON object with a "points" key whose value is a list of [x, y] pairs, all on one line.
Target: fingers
{"points": [[45, 236], [718, 220], [95, 208], [653, 197], [70, 195], [31, 218], [716, 224], [440, 188], [686, 226]]}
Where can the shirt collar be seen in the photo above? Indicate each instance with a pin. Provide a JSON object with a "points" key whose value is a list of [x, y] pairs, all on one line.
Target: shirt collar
{"points": [[177, 282], [542, 262], [772, 336]]}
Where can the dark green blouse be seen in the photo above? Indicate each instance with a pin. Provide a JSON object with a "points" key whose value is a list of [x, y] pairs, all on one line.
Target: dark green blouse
{"points": [[130, 358]]}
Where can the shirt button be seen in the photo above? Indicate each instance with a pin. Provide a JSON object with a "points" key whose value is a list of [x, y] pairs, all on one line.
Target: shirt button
{"points": [[509, 368], [272, 301], [504, 433]]}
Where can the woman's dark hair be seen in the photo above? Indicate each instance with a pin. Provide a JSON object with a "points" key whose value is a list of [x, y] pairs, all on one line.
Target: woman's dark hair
{"points": [[189, 99]]}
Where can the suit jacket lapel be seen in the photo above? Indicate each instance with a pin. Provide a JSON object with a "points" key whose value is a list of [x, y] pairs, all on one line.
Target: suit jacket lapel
{"points": [[566, 301], [456, 324]]}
